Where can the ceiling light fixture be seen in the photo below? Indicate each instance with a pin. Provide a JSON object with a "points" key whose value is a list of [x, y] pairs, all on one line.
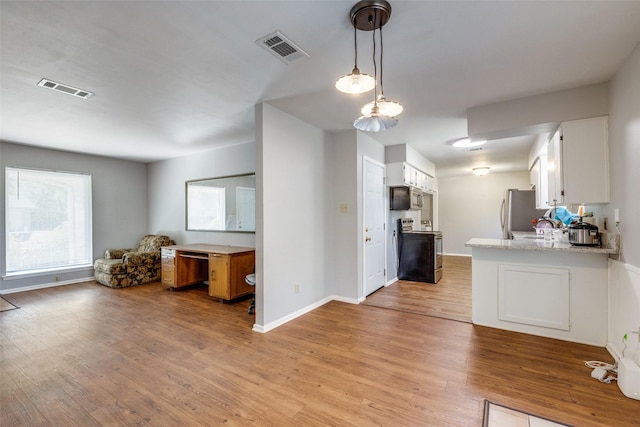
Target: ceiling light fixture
{"points": [[356, 82], [379, 114], [481, 171], [467, 142]]}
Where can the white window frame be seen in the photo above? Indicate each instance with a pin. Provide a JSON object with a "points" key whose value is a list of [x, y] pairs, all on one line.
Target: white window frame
{"points": [[79, 234]]}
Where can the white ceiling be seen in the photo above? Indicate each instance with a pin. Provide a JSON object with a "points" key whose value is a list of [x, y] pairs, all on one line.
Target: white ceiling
{"points": [[179, 77]]}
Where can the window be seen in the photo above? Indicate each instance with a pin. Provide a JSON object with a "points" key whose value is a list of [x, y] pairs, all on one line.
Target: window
{"points": [[205, 208], [48, 220]]}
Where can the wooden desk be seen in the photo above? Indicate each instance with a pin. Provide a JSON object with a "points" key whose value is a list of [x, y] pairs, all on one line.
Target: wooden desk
{"points": [[225, 267]]}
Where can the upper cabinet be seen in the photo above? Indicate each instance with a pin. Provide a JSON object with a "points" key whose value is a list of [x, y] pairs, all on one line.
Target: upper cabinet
{"points": [[578, 163], [402, 173], [585, 160], [555, 194]]}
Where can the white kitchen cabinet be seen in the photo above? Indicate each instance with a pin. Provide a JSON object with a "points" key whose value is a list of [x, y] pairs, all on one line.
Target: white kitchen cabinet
{"points": [[554, 171], [542, 188], [534, 295], [538, 179], [550, 293], [403, 174], [585, 161], [578, 163], [534, 175]]}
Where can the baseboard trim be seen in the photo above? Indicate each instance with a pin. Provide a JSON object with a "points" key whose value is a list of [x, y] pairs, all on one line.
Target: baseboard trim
{"points": [[45, 285], [355, 301], [271, 326]]}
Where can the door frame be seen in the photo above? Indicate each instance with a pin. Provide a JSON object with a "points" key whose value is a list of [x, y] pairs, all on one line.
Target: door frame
{"points": [[365, 160]]}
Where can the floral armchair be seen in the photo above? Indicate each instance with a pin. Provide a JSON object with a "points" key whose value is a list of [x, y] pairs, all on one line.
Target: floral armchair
{"points": [[121, 268]]}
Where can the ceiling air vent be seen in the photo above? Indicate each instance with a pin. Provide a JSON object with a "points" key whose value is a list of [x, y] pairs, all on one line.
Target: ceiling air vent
{"points": [[281, 47], [474, 149], [69, 90]]}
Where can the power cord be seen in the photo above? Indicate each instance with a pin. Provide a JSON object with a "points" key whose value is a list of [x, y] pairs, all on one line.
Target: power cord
{"points": [[600, 370]]}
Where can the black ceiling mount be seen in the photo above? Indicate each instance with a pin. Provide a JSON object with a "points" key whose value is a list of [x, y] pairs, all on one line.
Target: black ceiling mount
{"points": [[369, 15]]}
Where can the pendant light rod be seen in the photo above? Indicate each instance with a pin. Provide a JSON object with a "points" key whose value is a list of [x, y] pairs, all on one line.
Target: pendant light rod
{"points": [[375, 66], [381, 56], [355, 47]]}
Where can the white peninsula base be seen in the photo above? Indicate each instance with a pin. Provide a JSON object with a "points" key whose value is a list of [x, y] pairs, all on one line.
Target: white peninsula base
{"points": [[552, 291]]}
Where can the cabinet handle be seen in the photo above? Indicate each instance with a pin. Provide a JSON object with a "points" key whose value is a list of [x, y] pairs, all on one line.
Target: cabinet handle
{"points": [[367, 239]]}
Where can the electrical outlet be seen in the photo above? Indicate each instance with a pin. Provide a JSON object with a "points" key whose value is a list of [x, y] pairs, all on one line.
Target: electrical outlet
{"points": [[344, 208], [616, 215], [57, 279], [296, 288]]}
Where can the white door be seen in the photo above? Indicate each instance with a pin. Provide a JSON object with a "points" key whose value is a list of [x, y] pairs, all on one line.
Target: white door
{"points": [[374, 226]]}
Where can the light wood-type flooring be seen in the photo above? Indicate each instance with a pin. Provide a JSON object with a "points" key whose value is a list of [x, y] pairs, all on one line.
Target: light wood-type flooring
{"points": [[88, 355], [450, 298]]}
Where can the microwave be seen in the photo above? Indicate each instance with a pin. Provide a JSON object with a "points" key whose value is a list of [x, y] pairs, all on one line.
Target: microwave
{"points": [[405, 198]]}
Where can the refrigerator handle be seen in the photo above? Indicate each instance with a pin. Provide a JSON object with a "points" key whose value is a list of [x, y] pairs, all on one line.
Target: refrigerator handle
{"points": [[502, 214]]}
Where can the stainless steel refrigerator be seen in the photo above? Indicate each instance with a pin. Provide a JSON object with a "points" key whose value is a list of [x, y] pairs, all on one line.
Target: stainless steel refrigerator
{"points": [[517, 211]]}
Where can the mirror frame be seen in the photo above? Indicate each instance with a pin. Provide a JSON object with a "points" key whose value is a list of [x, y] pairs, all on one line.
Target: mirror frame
{"points": [[194, 182]]}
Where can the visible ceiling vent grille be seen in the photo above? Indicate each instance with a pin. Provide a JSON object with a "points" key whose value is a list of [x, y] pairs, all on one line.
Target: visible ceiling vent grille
{"points": [[69, 90], [281, 47], [474, 149]]}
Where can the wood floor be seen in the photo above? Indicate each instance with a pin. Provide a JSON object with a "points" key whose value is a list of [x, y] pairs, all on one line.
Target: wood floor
{"points": [[450, 298], [88, 355]]}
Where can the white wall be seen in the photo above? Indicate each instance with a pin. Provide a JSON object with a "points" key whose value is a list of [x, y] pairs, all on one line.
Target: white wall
{"points": [[469, 206], [119, 195], [345, 225], [537, 114], [167, 192], [293, 216], [624, 153]]}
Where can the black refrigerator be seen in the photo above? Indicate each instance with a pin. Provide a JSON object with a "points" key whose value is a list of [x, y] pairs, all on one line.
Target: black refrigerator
{"points": [[419, 255]]}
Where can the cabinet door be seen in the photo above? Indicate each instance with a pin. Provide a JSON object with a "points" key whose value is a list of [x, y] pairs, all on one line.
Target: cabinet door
{"points": [[585, 160], [241, 266], [408, 172], [532, 295], [534, 175], [554, 170], [219, 276], [542, 188]]}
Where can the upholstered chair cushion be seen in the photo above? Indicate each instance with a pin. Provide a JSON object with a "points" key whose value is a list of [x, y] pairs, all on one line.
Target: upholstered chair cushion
{"points": [[130, 267], [110, 266]]}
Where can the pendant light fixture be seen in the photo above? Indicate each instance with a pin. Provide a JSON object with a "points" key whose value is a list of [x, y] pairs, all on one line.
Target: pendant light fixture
{"points": [[370, 16], [356, 82], [385, 107]]}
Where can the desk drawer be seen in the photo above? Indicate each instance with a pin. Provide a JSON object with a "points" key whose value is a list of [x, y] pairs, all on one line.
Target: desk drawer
{"points": [[168, 274]]}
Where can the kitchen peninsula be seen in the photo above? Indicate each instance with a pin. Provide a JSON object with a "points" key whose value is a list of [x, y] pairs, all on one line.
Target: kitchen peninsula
{"points": [[543, 288]]}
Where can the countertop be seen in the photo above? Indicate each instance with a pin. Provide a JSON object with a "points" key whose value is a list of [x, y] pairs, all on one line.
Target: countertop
{"points": [[206, 249], [610, 247]]}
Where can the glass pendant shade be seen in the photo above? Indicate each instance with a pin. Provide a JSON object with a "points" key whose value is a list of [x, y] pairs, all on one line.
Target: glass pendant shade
{"points": [[386, 108], [375, 122], [356, 82]]}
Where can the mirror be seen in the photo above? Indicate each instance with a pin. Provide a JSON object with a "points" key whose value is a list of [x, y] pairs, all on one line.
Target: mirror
{"points": [[221, 204]]}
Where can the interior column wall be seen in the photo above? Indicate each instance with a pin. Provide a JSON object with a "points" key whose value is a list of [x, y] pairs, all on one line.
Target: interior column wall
{"points": [[293, 216]]}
